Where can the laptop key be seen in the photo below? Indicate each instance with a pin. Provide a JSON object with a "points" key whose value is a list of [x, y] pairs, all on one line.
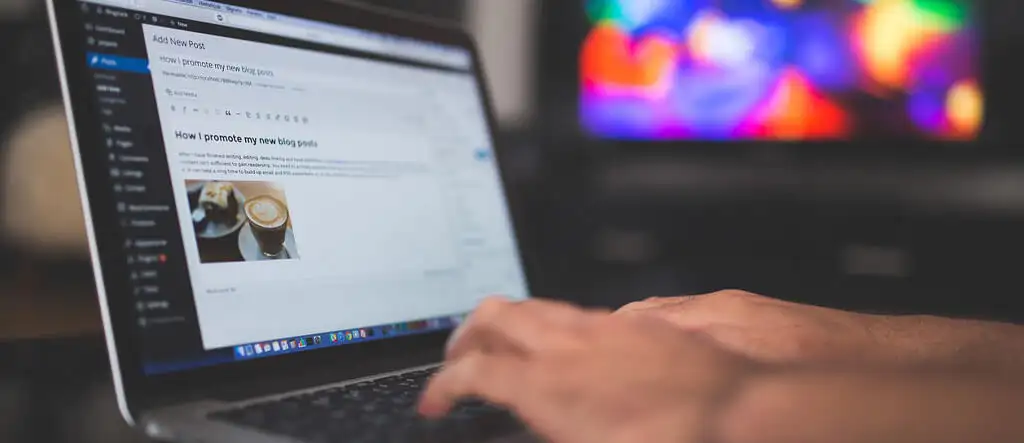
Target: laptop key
{"points": [[382, 410]]}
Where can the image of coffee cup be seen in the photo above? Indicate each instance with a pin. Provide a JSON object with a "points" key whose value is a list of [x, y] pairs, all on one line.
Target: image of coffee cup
{"points": [[268, 219]]}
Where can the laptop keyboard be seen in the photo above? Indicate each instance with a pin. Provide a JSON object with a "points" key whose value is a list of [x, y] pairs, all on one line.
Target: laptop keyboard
{"points": [[377, 411]]}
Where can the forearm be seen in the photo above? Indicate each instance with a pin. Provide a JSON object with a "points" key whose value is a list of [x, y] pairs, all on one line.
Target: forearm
{"points": [[859, 408], [926, 341]]}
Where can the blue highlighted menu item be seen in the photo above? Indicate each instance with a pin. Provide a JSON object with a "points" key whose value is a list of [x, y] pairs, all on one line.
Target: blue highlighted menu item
{"points": [[117, 63]]}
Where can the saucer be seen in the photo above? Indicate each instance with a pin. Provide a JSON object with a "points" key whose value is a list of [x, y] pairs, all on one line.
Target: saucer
{"points": [[215, 229], [250, 249]]}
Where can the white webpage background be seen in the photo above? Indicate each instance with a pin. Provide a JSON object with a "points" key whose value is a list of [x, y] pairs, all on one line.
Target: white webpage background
{"points": [[372, 251]]}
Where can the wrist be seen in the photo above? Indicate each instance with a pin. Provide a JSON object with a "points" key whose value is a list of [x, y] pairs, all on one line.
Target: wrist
{"points": [[892, 340], [741, 414], [749, 414], [921, 341], [913, 341]]}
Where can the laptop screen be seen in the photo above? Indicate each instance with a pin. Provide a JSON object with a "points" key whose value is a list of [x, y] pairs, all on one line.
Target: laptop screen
{"points": [[285, 185]]}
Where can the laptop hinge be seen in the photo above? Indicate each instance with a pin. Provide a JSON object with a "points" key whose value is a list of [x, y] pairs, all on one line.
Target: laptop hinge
{"points": [[256, 385]]}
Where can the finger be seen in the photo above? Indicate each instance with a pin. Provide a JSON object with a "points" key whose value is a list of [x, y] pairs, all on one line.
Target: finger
{"points": [[523, 328], [497, 379]]}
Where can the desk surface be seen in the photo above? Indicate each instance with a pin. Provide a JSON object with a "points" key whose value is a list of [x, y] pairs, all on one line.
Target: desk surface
{"points": [[29, 312]]}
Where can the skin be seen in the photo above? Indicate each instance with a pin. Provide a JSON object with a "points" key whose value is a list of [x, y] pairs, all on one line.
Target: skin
{"points": [[917, 407], [576, 376], [774, 331]]}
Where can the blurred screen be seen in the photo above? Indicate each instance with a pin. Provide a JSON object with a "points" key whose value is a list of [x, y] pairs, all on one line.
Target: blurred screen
{"points": [[781, 70]]}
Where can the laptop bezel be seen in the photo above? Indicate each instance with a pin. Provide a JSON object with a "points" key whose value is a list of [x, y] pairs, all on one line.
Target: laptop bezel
{"points": [[138, 392]]}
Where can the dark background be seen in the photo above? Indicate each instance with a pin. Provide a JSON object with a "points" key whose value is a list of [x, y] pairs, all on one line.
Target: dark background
{"points": [[881, 228]]}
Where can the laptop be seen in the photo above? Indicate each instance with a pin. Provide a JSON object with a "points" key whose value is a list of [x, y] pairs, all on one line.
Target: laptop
{"points": [[290, 206]]}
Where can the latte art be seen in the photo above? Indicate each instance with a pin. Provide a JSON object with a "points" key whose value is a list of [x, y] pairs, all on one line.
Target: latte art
{"points": [[266, 212]]}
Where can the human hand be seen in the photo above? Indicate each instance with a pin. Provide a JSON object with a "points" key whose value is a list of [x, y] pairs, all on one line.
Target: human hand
{"points": [[773, 331], [576, 376]]}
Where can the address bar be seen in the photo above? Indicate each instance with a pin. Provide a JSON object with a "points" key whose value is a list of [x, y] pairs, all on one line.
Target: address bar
{"points": [[301, 33], [338, 39], [262, 26]]}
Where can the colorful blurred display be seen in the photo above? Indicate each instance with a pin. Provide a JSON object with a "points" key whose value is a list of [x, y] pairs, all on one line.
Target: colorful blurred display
{"points": [[781, 70]]}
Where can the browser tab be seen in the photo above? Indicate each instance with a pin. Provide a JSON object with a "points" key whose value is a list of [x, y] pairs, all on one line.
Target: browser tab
{"points": [[210, 5]]}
